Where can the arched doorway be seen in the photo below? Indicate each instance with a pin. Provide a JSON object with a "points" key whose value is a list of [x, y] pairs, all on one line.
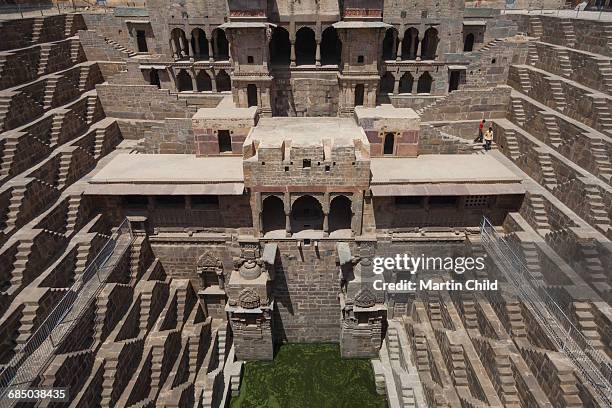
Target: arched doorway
{"points": [[468, 44], [141, 41], [220, 45], [178, 41], [203, 82], [389, 144], [183, 81], [453, 81], [305, 46], [273, 214], [252, 95], [331, 47], [154, 77], [410, 44], [359, 94], [340, 214], [430, 44], [390, 44], [387, 82], [280, 47], [199, 43], [406, 83], [224, 83], [424, 84], [306, 214]]}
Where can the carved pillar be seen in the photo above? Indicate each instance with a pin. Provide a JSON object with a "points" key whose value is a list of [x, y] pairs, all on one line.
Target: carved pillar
{"points": [[182, 45], [396, 84], [175, 52], [190, 43], [326, 215], [194, 83], [399, 49], [213, 80], [418, 53], [210, 50], [318, 54], [287, 202], [293, 53]]}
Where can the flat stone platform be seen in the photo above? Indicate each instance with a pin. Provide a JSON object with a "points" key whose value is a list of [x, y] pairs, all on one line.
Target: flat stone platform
{"points": [[443, 175], [168, 174], [273, 132]]}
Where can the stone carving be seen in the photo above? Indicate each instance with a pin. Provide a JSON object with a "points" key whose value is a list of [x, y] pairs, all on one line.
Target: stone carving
{"points": [[365, 298], [249, 299], [250, 270]]}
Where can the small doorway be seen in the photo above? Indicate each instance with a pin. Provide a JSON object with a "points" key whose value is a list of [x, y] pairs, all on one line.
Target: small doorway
{"points": [[251, 95], [141, 41], [225, 141], [359, 94], [389, 144], [453, 81], [469, 43], [154, 78]]}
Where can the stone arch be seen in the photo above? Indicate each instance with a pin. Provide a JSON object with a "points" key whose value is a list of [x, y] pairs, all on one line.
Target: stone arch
{"points": [[410, 44], [425, 83], [280, 46], [224, 82], [430, 44], [199, 43], [220, 45], [387, 83], [203, 81], [306, 214], [305, 46], [389, 45], [252, 95], [331, 47], [273, 214], [178, 43], [406, 83], [468, 43], [389, 144], [183, 81], [340, 213]]}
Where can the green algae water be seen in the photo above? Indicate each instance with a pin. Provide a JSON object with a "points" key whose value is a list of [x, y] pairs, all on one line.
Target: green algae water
{"points": [[308, 376]]}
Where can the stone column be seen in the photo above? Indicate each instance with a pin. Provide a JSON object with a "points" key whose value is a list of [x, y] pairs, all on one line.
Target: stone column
{"points": [[210, 50], [415, 83], [190, 44], [399, 49], [418, 54], [318, 54], [396, 84], [175, 52], [287, 202], [258, 216], [213, 80], [194, 83], [326, 215], [293, 53], [182, 45]]}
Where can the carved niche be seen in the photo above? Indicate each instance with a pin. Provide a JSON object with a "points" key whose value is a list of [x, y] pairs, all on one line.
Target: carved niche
{"points": [[210, 265], [249, 299], [365, 298]]}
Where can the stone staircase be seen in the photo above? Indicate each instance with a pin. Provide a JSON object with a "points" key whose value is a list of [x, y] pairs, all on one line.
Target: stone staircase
{"points": [[45, 51], [524, 79], [27, 323], [17, 195], [72, 215], [512, 145], [37, 29], [602, 160], [532, 260], [222, 345], [540, 216], [119, 47], [587, 325], [50, 86], [565, 66], [602, 109], [83, 76], [596, 274], [569, 36], [552, 128], [518, 112], [393, 345], [549, 178], [515, 319], [532, 55], [599, 215], [5, 104], [92, 103], [556, 92], [19, 266], [8, 153], [64, 169], [537, 30]]}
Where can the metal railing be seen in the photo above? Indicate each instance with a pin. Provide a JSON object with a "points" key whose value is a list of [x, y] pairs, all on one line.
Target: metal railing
{"points": [[37, 352], [30, 10], [594, 365]]}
